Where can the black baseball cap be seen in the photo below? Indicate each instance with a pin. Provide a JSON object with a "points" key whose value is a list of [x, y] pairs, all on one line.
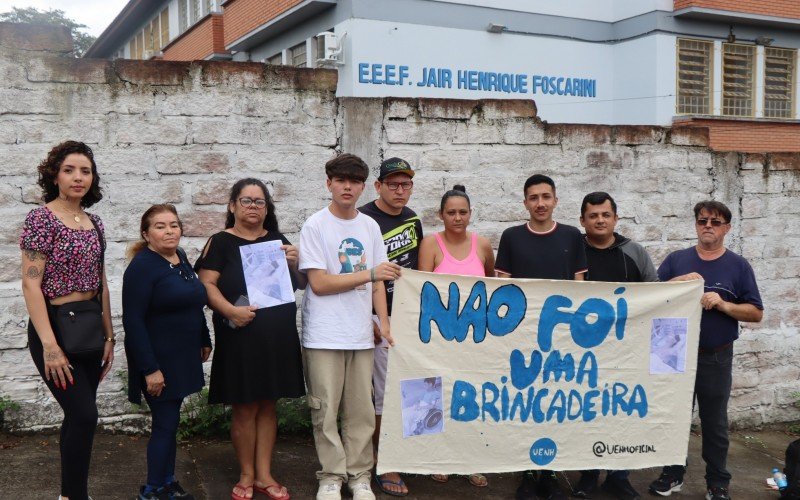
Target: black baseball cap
{"points": [[395, 166]]}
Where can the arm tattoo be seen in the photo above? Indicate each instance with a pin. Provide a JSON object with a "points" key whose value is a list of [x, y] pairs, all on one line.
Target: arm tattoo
{"points": [[33, 272], [33, 255]]}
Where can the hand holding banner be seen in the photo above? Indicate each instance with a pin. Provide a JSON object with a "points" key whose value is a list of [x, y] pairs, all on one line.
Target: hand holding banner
{"points": [[499, 375]]}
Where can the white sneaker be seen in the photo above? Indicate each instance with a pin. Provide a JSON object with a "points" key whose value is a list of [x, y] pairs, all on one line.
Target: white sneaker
{"points": [[361, 491], [330, 491]]}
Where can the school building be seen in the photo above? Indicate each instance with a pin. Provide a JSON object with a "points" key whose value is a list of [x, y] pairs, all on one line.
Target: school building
{"points": [[731, 66]]}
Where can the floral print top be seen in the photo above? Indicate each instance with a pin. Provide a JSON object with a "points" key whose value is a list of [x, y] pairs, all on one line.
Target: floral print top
{"points": [[73, 255]]}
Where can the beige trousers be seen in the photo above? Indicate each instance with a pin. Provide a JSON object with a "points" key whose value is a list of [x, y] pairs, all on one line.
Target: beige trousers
{"points": [[341, 380]]}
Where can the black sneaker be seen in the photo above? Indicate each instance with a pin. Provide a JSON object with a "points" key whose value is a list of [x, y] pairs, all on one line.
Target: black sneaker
{"points": [[620, 488], [176, 491], [548, 488], [527, 488], [717, 493], [159, 494], [666, 484], [587, 484]]}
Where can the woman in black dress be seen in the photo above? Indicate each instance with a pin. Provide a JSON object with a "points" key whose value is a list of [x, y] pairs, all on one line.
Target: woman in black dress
{"points": [[257, 359]]}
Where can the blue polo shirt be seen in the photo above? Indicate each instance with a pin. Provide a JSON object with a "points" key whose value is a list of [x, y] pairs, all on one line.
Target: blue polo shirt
{"points": [[730, 275]]}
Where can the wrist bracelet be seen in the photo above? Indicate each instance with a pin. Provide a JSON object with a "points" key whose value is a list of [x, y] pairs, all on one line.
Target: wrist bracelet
{"points": [[372, 275], [113, 340]]}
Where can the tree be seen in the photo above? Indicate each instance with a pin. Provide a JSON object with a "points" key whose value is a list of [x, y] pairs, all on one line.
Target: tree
{"points": [[81, 41]]}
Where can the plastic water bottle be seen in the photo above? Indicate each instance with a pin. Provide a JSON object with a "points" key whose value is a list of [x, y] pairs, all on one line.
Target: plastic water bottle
{"points": [[780, 478]]}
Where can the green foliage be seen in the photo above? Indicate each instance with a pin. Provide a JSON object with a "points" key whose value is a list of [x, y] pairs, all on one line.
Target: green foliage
{"points": [[5, 405], [31, 15], [294, 416], [200, 419]]}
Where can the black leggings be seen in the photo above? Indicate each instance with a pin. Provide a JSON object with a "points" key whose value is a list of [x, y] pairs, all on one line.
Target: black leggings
{"points": [[80, 415]]}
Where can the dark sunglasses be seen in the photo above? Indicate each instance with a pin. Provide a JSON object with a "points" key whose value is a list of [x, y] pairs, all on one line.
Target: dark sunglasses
{"points": [[714, 222]]}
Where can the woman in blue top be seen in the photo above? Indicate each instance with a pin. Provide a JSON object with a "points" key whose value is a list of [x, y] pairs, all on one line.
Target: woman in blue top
{"points": [[166, 339]]}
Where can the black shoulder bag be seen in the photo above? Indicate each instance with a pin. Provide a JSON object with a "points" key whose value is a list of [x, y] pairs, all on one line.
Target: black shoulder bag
{"points": [[79, 325]]}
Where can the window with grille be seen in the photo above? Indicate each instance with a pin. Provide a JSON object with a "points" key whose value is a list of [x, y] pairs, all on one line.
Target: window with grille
{"points": [[208, 6], [132, 48], [276, 60], [140, 45], [195, 11], [183, 16], [779, 71], [694, 77], [297, 55], [164, 27], [737, 79], [148, 38]]}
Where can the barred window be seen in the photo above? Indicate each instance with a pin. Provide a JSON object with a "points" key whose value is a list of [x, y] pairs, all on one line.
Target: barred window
{"points": [[148, 37], [195, 11], [297, 55], [132, 48], [738, 70], [164, 27], [779, 81], [183, 16], [694, 77], [140, 45], [276, 60]]}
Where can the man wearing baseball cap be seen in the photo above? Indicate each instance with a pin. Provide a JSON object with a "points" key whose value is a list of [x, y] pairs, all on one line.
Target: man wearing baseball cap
{"points": [[402, 233]]}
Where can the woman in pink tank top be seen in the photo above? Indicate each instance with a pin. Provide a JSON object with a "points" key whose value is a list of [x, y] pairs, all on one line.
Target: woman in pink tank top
{"points": [[457, 251]]}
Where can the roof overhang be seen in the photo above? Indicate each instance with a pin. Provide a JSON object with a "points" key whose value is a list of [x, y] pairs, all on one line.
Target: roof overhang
{"points": [[292, 17], [729, 17], [134, 14]]}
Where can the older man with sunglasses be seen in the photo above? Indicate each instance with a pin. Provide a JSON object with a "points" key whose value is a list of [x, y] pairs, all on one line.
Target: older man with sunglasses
{"points": [[731, 295]]}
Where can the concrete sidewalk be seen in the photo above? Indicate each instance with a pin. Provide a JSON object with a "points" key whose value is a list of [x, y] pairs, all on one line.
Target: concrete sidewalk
{"points": [[207, 468]]}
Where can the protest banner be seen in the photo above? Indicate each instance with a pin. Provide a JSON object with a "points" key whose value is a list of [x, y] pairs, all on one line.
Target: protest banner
{"points": [[498, 375]]}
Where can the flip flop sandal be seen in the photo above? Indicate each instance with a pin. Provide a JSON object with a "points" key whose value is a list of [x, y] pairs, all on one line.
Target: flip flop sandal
{"points": [[478, 480], [247, 489], [440, 478], [381, 483], [265, 491]]}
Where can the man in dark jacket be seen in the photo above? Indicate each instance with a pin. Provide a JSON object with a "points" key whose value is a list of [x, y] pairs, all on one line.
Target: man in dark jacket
{"points": [[611, 257]]}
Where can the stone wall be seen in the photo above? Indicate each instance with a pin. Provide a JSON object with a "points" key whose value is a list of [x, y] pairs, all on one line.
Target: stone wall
{"points": [[183, 132]]}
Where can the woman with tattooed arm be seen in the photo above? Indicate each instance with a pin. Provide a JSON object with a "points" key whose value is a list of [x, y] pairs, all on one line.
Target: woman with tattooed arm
{"points": [[62, 264]]}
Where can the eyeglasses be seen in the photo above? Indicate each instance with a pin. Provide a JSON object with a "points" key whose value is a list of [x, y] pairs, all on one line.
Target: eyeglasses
{"points": [[714, 222], [393, 186], [258, 202], [183, 272]]}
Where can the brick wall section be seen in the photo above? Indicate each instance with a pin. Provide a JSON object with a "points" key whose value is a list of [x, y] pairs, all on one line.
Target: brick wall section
{"points": [[777, 8], [243, 16], [202, 40], [183, 132], [750, 136]]}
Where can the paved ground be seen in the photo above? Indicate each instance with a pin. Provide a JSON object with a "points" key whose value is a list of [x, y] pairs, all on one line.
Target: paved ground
{"points": [[29, 469]]}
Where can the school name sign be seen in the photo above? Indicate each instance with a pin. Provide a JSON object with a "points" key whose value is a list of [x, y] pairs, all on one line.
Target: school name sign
{"points": [[494, 375]]}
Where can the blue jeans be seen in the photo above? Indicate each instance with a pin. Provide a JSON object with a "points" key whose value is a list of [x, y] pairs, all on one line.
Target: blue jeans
{"points": [[162, 447], [712, 389]]}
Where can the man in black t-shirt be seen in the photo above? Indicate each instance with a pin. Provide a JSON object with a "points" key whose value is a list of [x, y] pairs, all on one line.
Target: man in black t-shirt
{"points": [[541, 248], [611, 257], [402, 234]]}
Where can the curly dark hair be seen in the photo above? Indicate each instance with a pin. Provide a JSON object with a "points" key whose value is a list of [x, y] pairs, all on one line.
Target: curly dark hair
{"points": [[270, 221], [48, 172]]}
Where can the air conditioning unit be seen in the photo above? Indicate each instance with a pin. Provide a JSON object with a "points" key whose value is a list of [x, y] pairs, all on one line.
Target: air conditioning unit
{"points": [[329, 49]]}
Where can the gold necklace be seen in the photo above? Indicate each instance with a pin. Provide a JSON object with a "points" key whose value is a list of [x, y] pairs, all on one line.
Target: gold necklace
{"points": [[76, 216]]}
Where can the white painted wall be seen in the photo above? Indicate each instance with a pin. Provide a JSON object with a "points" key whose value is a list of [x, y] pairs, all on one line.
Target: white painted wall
{"points": [[634, 80], [595, 10]]}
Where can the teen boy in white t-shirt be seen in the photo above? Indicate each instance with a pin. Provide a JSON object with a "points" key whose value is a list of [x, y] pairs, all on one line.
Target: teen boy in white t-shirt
{"points": [[342, 253]]}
